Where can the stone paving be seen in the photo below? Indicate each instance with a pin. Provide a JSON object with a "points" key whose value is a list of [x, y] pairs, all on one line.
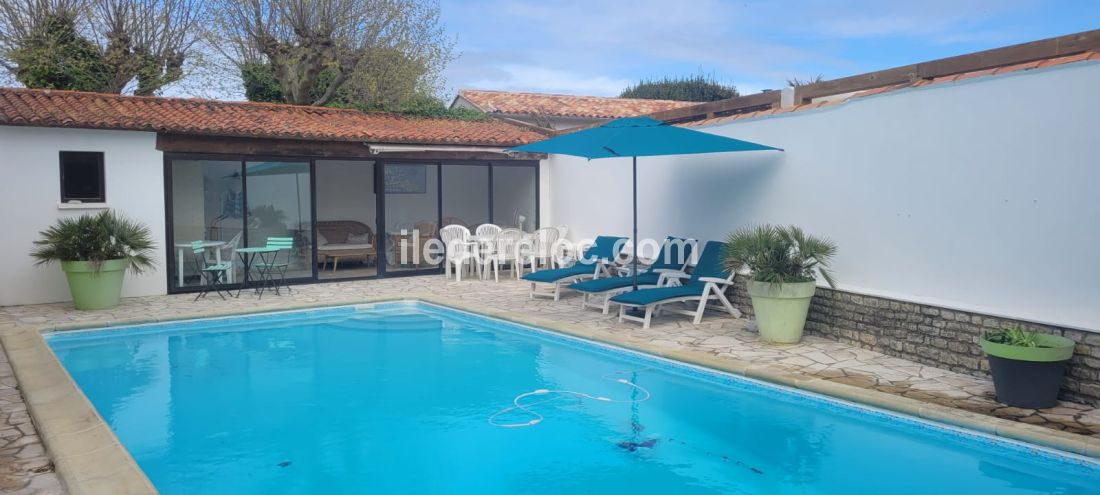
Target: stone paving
{"points": [[24, 465]]}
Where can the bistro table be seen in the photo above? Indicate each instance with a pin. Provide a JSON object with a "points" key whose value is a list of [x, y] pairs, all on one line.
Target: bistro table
{"points": [[248, 257], [186, 247]]}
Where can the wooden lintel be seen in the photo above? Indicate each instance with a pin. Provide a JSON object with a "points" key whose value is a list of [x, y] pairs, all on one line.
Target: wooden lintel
{"points": [[222, 145]]}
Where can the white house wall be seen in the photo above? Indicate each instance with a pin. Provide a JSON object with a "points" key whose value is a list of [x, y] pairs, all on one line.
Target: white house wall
{"points": [[29, 164], [979, 195]]}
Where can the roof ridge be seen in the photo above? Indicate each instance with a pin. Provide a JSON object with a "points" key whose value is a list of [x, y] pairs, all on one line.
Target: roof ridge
{"points": [[534, 93], [88, 110], [204, 101]]}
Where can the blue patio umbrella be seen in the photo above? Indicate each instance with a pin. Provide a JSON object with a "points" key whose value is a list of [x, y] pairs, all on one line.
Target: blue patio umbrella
{"points": [[634, 137]]}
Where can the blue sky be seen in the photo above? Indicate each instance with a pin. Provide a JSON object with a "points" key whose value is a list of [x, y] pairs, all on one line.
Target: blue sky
{"points": [[597, 47]]}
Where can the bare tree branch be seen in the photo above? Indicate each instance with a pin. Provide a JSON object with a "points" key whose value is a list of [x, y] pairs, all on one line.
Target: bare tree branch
{"points": [[317, 48], [146, 41]]}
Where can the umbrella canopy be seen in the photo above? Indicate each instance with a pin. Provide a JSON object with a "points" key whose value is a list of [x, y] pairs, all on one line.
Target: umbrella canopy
{"points": [[634, 137], [638, 136]]}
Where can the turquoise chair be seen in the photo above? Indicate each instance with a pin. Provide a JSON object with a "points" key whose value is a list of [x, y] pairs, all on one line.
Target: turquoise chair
{"points": [[591, 265], [670, 262], [707, 282], [269, 269], [214, 275]]}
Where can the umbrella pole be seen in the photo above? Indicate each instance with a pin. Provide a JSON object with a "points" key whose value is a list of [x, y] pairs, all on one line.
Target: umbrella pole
{"points": [[634, 259]]}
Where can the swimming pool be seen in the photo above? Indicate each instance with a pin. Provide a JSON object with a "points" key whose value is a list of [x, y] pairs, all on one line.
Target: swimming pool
{"points": [[409, 397]]}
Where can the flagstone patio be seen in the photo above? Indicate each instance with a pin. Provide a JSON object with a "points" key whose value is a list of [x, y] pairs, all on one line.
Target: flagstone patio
{"points": [[25, 467]]}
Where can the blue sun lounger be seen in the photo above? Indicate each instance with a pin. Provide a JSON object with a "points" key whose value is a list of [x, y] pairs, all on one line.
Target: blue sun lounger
{"points": [[591, 265], [708, 281], [671, 260]]}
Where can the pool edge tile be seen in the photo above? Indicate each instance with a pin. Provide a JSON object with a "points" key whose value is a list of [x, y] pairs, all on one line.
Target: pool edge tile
{"points": [[78, 441]]}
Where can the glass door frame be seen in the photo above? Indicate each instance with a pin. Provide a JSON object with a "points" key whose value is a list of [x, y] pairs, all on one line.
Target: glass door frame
{"points": [[169, 206], [380, 198]]}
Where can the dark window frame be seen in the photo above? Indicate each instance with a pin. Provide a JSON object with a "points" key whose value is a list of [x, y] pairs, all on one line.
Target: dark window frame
{"points": [[100, 159], [170, 157]]}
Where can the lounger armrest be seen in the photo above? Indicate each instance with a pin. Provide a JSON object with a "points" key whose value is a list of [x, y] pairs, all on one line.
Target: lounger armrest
{"points": [[716, 280]]}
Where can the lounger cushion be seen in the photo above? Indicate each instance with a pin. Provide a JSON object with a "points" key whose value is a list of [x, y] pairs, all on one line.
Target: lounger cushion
{"points": [[655, 295], [675, 251], [598, 285], [558, 274], [710, 262]]}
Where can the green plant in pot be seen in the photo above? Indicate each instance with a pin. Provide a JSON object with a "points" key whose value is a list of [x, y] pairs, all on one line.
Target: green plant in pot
{"points": [[1027, 367], [95, 251], [783, 264]]}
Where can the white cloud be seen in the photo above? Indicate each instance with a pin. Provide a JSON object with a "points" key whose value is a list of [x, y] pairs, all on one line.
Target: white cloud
{"points": [[543, 79], [592, 45]]}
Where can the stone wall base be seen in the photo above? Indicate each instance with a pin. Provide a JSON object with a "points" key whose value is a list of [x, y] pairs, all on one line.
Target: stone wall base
{"points": [[933, 335]]}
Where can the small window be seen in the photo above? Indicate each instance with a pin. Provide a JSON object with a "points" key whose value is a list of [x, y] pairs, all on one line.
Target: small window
{"points": [[82, 177]]}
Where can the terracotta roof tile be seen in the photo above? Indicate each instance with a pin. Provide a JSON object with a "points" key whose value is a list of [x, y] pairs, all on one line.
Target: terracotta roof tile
{"points": [[552, 105], [50, 108], [1050, 62]]}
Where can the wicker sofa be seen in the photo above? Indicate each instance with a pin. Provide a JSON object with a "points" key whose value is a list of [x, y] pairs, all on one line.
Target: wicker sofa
{"points": [[333, 244]]}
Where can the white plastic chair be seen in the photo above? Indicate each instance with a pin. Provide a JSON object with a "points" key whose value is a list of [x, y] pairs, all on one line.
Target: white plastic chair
{"points": [[542, 249], [459, 250], [487, 229], [564, 252], [506, 249]]}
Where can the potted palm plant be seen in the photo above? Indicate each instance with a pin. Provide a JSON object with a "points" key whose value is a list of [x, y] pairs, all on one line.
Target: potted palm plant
{"points": [[1027, 367], [783, 263], [95, 251]]}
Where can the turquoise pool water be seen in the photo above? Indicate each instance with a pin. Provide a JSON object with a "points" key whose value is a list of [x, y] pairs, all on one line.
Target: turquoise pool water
{"points": [[414, 398]]}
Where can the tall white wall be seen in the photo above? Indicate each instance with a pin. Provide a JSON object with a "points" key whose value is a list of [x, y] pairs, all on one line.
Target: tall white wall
{"points": [[30, 203], [979, 195]]}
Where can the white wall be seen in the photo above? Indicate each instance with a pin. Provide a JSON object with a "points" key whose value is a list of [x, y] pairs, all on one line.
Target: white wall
{"points": [[29, 163], [978, 195]]}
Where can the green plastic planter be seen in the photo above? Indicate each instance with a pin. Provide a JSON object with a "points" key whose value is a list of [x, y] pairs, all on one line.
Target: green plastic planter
{"points": [[781, 309], [1029, 377], [95, 289]]}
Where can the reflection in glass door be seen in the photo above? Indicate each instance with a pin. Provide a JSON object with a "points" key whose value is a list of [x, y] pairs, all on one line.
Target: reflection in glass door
{"points": [[208, 206], [411, 212], [280, 205], [465, 195], [514, 203], [347, 246]]}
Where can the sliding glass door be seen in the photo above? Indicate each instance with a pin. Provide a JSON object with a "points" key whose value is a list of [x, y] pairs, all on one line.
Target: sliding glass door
{"points": [[465, 195], [515, 197], [346, 218], [207, 206], [280, 205], [411, 197]]}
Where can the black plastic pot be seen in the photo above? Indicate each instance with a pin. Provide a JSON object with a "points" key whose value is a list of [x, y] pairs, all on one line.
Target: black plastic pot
{"points": [[1027, 384], [1029, 377]]}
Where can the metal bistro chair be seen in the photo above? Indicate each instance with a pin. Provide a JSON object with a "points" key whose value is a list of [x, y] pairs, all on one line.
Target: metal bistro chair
{"points": [[268, 269], [213, 274]]}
